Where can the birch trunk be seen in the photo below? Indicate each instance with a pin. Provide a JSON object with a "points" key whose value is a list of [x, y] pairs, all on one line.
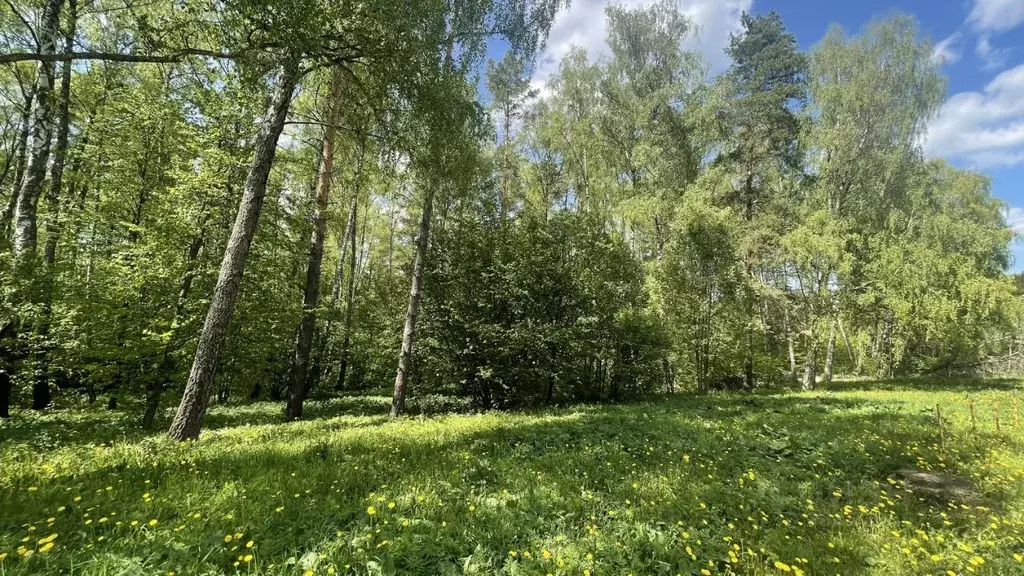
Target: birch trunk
{"points": [[350, 233], [830, 353], [811, 365], [25, 225], [189, 419], [20, 151], [41, 386], [415, 293]]}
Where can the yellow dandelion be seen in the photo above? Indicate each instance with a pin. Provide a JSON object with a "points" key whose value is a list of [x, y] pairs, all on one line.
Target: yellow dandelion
{"points": [[371, 510], [153, 522], [228, 538]]}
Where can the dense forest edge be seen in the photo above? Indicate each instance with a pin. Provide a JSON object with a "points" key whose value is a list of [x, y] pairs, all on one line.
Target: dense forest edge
{"points": [[209, 202]]}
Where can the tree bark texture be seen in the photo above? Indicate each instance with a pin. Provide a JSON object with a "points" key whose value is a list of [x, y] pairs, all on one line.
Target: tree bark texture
{"points": [[314, 264], [40, 133], [189, 418], [415, 294]]}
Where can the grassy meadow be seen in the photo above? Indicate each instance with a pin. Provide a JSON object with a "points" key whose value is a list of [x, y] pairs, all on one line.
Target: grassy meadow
{"points": [[748, 484]]}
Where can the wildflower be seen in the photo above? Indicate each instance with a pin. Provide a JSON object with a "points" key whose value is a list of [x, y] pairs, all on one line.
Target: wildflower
{"points": [[783, 566], [247, 558], [153, 522], [371, 510], [249, 544], [228, 538]]}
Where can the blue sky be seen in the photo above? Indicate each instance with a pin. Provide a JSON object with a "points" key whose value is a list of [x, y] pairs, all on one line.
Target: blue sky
{"points": [[980, 44]]}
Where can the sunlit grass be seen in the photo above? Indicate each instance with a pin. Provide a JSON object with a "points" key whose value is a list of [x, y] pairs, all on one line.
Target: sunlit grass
{"points": [[743, 484]]}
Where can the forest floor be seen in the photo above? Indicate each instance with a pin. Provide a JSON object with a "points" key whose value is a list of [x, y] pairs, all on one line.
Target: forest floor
{"points": [[828, 482]]}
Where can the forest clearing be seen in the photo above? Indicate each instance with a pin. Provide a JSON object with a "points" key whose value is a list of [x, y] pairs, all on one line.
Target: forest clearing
{"points": [[520, 287], [794, 483]]}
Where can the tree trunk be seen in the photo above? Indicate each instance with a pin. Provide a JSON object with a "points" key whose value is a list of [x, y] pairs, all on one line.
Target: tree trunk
{"points": [[159, 382], [189, 419], [846, 341], [20, 150], [350, 233], [5, 394], [811, 365], [24, 237], [791, 348], [41, 386], [311, 294], [415, 293], [830, 353]]}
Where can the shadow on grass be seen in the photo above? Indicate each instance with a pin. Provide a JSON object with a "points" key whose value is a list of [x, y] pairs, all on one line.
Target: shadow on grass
{"points": [[530, 477], [54, 428], [929, 384]]}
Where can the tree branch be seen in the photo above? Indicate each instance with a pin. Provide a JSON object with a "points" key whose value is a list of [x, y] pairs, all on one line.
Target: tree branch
{"points": [[114, 56]]}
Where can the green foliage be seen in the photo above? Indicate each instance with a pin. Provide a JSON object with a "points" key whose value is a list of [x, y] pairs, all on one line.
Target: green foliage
{"points": [[538, 311]]}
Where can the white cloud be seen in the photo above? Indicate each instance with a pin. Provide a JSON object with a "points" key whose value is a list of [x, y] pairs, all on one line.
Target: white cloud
{"points": [[992, 57], [996, 15], [948, 51], [985, 128], [1014, 216], [583, 25]]}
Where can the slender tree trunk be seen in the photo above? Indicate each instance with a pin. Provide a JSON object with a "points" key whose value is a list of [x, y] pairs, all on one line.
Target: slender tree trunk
{"points": [[25, 225], [415, 293], [20, 151], [350, 233], [189, 419], [41, 386], [5, 394], [846, 342], [789, 345], [811, 365], [336, 282], [163, 376], [830, 353], [311, 294]]}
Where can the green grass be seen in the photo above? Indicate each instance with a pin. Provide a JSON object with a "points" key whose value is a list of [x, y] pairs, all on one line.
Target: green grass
{"points": [[731, 484]]}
